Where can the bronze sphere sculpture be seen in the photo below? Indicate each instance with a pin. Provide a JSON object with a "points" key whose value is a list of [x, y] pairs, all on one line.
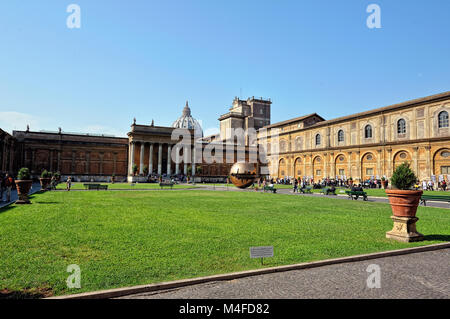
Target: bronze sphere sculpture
{"points": [[243, 175]]}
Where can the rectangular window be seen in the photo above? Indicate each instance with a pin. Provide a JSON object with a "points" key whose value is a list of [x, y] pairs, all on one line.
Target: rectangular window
{"points": [[342, 172], [445, 169], [369, 171], [318, 172]]}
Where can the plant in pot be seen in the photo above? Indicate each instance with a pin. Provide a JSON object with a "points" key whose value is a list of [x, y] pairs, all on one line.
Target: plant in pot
{"points": [[45, 179], [404, 202], [23, 185], [113, 178], [135, 169], [403, 199]]}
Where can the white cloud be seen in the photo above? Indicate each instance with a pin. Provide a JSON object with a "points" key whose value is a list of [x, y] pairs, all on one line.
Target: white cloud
{"points": [[10, 121]]}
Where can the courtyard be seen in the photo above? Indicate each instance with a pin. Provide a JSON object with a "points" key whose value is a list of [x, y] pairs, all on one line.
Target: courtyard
{"points": [[126, 238]]}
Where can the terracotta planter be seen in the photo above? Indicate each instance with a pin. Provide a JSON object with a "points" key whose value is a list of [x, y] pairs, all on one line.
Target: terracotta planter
{"points": [[23, 188], [44, 183], [404, 202]]}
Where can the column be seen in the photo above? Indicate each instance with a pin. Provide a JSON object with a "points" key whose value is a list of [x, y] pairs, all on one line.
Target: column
{"points": [[185, 159], [169, 159], [428, 154], [101, 162], [160, 159], [193, 160], [304, 166], [11, 158], [73, 162], [51, 161], [349, 173], [325, 165], [379, 173], [416, 161], [131, 161], [150, 159], [25, 163], [332, 166], [141, 159], [177, 161], [33, 158], [359, 166], [389, 172], [59, 161], [115, 163]]}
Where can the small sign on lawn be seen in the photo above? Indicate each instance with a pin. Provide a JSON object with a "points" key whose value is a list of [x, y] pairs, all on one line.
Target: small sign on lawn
{"points": [[261, 252]]}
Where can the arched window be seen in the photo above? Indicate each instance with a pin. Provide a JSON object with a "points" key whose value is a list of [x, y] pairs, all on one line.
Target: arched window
{"points": [[368, 131], [443, 119], [401, 126], [318, 139], [340, 136]]}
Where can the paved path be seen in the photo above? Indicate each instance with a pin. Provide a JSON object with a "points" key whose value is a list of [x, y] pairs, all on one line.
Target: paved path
{"points": [[339, 196], [35, 188], [419, 275]]}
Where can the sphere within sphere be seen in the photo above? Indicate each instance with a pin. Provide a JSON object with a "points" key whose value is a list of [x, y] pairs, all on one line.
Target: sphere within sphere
{"points": [[243, 175]]}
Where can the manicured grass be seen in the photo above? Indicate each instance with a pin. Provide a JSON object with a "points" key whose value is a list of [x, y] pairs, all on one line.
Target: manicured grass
{"points": [[128, 238], [76, 186]]}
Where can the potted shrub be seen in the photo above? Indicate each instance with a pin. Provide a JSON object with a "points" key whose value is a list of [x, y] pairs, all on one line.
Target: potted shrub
{"points": [[113, 178], [135, 169], [45, 179], [403, 199], [145, 170], [23, 185]]}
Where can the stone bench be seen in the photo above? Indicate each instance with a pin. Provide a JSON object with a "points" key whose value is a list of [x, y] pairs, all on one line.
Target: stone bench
{"points": [[166, 184], [437, 198], [354, 195], [270, 189]]}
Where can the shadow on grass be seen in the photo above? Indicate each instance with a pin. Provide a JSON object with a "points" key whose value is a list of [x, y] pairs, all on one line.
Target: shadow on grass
{"points": [[437, 237], [25, 294], [6, 208]]}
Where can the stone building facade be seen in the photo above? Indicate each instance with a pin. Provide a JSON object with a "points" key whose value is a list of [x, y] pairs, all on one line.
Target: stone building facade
{"points": [[7, 152], [364, 145], [84, 157]]}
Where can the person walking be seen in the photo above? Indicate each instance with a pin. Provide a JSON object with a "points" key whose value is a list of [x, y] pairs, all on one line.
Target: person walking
{"points": [[444, 185], [69, 183], [9, 184], [424, 185]]}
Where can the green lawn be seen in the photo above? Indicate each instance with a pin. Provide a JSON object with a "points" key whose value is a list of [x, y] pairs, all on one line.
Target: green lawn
{"points": [[129, 238], [125, 186]]}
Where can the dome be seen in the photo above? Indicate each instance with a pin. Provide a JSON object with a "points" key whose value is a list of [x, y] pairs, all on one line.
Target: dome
{"points": [[186, 120]]}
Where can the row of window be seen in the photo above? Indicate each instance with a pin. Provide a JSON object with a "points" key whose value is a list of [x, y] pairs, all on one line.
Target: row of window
{"points": [[443, 122]]}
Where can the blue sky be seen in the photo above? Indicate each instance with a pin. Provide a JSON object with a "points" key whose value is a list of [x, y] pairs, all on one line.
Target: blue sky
{"points": [[144, 59]]}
